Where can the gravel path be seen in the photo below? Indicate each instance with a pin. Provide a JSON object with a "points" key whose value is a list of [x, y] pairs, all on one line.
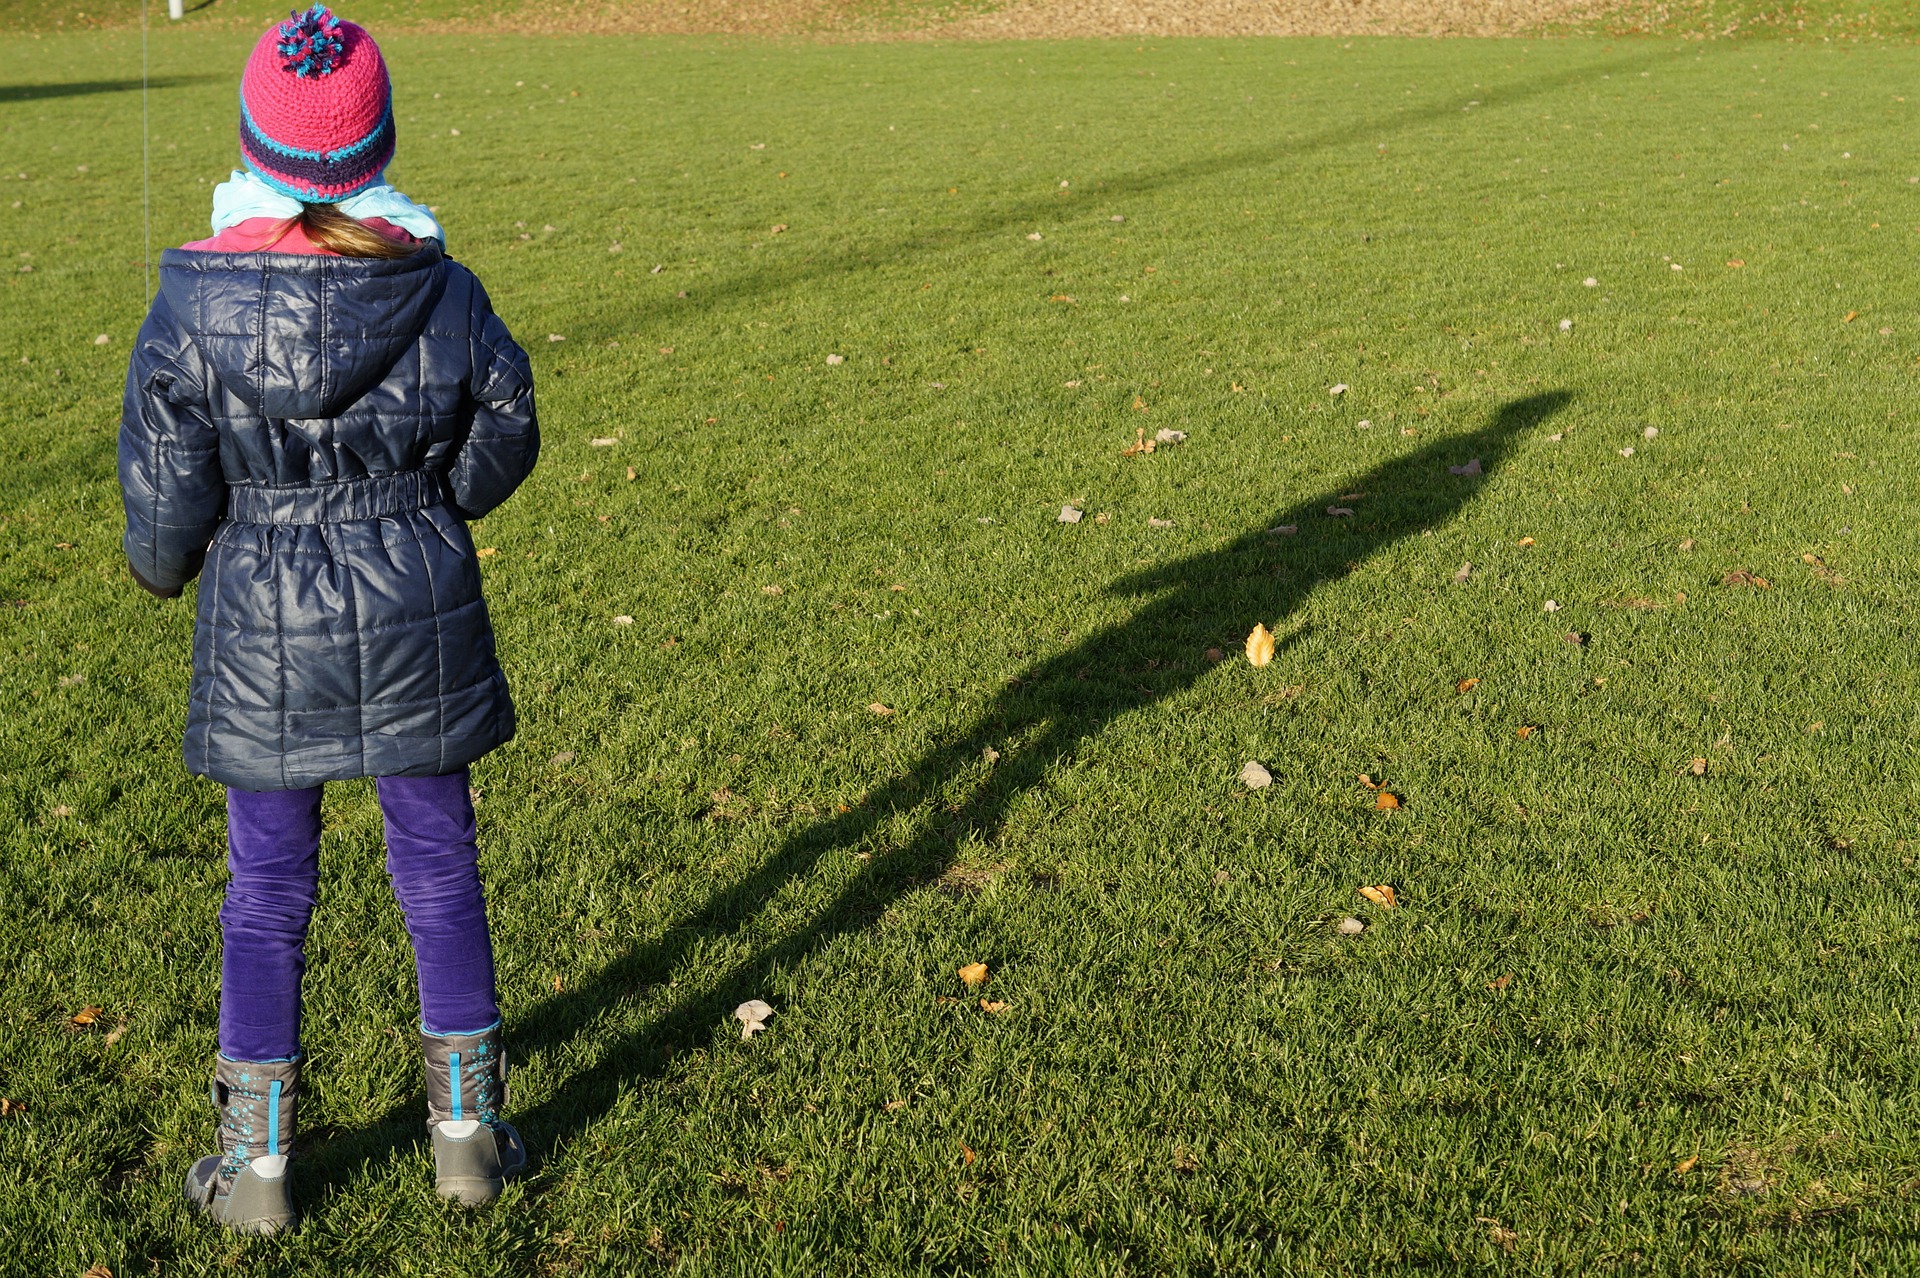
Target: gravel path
{"points": [[1040, 19]]}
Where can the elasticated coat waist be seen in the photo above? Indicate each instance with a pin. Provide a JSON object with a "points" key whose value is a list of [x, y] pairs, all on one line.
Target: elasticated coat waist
{"points": [[338, 502]]}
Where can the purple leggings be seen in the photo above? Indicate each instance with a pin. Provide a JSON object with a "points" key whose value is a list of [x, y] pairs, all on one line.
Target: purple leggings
{"points": [[273, 843]]}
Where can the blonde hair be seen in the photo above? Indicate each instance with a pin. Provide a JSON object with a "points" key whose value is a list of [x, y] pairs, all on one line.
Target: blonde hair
{"points": [[347, 235]]}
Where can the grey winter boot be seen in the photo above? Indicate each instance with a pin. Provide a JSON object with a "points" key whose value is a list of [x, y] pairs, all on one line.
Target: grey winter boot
{"points": [[474, 1153], [245, 1185]]}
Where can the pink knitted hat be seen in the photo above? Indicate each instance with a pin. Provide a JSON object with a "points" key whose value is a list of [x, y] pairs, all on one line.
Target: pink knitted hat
{"points": [[316, 108]]}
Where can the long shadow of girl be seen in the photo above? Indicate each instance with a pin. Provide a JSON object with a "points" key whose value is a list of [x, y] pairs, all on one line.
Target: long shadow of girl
{"points": [[1039, 722]]}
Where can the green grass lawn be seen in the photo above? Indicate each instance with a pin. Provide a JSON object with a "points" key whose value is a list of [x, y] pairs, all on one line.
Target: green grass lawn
{"points": [[1602, 968]]}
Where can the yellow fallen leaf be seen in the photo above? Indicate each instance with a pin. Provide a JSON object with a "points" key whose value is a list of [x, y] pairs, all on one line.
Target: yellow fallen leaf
{"points": [[486, 552], [557, 985], [1526, 541], [1260, 645], [86, 1015], [974, 974], [992, 1008], [1686, 1165], [1466, 685], [879, 709], [967, 1155], [1386, 801], [1381, 895], [1851, 317], [1525, 730]]}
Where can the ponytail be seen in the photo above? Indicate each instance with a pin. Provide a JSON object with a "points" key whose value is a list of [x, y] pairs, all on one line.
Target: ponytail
{"points": [[347, 235]]}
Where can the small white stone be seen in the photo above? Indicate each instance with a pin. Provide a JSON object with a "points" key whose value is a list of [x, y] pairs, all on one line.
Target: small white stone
{"points": [[1338, 388], [623, 620], [1255, 777], [1549, 606], [1349, 926], [1033, 235], [1591, 282], [1566, 326], [102, 340], [1650, 432], [836, 359]]}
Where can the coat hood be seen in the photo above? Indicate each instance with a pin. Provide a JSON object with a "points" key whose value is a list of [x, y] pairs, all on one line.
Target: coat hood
{"points": [[298, 335]]}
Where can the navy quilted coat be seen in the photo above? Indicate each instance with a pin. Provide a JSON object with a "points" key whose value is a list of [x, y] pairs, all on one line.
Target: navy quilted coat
{"points": [[309, 436]]}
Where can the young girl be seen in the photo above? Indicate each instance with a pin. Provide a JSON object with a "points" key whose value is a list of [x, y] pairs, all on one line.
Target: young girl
{"points": [[317, 404]]}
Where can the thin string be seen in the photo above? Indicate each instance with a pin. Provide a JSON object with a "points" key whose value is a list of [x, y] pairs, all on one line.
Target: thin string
{"points": [[146, 158]]}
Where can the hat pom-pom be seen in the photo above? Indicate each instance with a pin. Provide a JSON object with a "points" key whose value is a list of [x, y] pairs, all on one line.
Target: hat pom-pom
{"points": [[310, 43]]}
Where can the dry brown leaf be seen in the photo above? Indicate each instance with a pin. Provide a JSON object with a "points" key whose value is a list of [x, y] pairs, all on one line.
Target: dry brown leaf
{"points": [[1215, 656], [1698, 767], [1687, 546], [1500, 982], [98, 1271], [1381, 895], [1526, 541], [1260, 645], [1339, 512], [1498, 1234], [1686, 1165], [1741, 577], [12, 1108], [88, 1015], [1466, 685], [894, 1106], [1386, 801], [1735, 263], [559, 986], [486, 552], [992, 1008], [967, 1155], [1369, 782], [879, 709], [1525, 730], [1850, 317], [973, 974]]}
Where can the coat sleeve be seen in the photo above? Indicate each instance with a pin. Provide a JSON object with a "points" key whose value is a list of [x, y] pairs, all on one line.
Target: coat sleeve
{"points": [[170, 478], [504, 442]]}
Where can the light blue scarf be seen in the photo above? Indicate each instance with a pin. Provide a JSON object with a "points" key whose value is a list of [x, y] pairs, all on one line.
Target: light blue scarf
{"points": [[244, 196]]}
